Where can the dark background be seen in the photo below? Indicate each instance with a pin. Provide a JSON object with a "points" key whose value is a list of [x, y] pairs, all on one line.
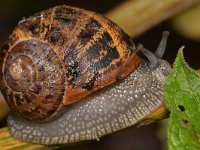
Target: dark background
{"points": [[11, 11]]}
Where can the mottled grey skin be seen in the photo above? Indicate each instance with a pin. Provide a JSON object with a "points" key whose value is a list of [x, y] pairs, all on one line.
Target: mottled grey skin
{"points": [[102, 113]]}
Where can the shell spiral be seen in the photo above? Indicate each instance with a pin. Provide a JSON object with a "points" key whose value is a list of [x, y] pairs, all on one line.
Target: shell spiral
{"points": [[34, 80], [59, 56]]}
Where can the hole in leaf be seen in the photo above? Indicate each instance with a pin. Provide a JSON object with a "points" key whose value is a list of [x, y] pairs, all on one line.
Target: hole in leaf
{"points": [[181, 107], [185, 121]]}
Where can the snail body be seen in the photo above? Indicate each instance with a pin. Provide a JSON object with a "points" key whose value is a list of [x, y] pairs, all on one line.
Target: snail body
{"points": [[54, 62]]}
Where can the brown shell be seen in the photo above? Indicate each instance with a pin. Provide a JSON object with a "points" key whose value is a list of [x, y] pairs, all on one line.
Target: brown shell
{"points": [[83, 50]]}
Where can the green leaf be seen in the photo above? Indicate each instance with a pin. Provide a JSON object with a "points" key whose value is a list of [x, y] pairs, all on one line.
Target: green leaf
{"points": [[182, 97]]}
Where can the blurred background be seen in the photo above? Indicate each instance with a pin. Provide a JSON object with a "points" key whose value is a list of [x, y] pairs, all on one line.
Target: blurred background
{"points": [[183, 26]]}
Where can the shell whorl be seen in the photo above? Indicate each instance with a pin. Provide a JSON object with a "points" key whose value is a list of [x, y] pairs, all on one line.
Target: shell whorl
{"points": [[81, 52], [34, 80]]}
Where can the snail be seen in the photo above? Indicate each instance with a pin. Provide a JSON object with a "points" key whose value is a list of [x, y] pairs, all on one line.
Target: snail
{"points": [[71, 75]]}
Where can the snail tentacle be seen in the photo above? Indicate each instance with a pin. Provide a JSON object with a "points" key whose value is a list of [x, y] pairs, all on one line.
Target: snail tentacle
{"points": [[162, 45], [153, 60]]}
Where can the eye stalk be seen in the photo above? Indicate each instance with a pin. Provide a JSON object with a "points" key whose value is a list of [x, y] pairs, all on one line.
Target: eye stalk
{"points": [[162, 45], [158, 54], [153, 60]]}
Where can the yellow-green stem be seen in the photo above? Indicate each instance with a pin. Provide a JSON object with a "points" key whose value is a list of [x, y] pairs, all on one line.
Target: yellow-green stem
{"points": [[137, 16]]}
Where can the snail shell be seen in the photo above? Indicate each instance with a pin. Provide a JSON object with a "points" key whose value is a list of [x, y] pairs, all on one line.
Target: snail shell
{"points": [[62, 55], [59, 56]]}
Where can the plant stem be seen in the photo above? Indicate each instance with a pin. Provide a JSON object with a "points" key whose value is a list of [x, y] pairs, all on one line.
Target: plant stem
{"points": [[137, 16], [4, 108], [8, 143]]}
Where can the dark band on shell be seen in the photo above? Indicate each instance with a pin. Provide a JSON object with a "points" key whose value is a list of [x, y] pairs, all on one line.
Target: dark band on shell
{"points": [[61, 55]]}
